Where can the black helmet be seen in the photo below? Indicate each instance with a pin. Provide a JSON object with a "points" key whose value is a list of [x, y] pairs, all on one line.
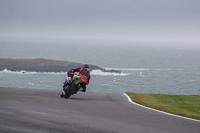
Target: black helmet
{"points": [[85, 66]]}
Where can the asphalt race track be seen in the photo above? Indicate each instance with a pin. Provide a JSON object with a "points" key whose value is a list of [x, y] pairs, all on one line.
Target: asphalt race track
{"points": [[43, 111]]}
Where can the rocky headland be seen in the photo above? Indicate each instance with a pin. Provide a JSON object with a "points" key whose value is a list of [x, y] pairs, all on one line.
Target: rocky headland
{"points": [[44, 65]]}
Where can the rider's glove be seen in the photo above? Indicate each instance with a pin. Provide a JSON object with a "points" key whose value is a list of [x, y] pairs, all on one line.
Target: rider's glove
{"points": [[71, 71]]}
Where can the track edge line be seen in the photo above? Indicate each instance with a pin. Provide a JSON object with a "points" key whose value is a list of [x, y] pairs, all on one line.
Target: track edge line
{"points": [[129, 99]]}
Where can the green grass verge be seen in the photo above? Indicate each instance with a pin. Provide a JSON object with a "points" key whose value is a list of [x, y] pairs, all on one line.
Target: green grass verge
{"points": [[183, 105]]}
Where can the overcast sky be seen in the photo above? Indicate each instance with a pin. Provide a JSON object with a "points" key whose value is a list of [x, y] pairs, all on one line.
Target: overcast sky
{"points": [[175, 21]]}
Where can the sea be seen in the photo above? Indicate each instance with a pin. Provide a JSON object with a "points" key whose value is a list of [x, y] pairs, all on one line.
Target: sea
{"points": [[154, 69]]}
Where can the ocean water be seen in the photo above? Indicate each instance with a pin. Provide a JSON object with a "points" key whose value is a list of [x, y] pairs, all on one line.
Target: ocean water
{"points": [[145, 69]]}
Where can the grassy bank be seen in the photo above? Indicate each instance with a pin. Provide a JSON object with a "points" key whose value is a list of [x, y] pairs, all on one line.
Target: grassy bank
{"points": [[184, 105]]}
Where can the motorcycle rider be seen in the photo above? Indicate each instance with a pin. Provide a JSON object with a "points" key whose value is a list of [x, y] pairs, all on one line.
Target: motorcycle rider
{"points": [[84, 73]]}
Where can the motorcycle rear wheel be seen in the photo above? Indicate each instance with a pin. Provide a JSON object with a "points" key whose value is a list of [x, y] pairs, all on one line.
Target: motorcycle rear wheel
{"points": [[70, 90]]}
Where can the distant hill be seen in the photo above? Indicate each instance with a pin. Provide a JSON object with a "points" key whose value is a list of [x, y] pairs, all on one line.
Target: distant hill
{"points": [[43, 65]]}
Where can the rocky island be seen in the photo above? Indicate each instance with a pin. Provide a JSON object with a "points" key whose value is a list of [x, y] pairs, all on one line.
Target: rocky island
{"points": [[44, 65]]}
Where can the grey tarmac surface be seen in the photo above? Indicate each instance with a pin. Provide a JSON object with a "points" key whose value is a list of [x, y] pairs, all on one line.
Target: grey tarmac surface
{"points": [[43, 111]]}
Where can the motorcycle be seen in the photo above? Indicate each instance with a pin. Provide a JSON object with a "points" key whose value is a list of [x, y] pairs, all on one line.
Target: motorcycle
{"points": [[71, 85]]}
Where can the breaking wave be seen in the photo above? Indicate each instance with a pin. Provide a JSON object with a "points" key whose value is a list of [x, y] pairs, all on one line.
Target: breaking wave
{"points": [[99, 72], [93, 72], [143, 69], [28, 72], [127, 69]]}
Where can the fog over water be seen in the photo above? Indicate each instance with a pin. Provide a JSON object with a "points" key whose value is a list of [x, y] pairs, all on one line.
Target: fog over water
{"points": [[144, 69], [152, 22]]}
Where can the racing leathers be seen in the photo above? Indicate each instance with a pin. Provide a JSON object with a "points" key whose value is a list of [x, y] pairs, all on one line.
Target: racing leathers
{"points": [[84, 73]]}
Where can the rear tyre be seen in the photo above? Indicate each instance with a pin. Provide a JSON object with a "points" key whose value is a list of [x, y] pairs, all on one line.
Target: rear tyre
{"points": [[62, 95], [70, 90]]}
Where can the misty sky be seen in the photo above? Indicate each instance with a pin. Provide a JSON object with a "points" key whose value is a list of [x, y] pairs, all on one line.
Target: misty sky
{"points": [[176, 21]]}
